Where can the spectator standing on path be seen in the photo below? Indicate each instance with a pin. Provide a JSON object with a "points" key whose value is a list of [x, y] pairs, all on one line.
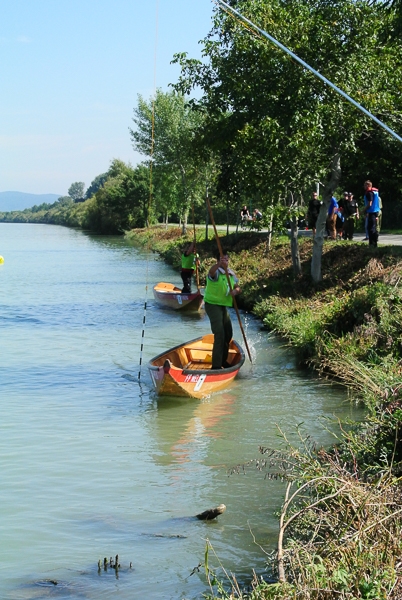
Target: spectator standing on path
{"points": [[313, 210], [188, 262], [218, 298], [351, 213], [331, 218], [372, 208]]}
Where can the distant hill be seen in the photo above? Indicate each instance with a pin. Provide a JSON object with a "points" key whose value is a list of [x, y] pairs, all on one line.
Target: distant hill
{"points": [[10, 201]]}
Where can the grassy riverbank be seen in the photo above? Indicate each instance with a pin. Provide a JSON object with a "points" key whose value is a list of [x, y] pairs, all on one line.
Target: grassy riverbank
{"points": [[340, 524]]}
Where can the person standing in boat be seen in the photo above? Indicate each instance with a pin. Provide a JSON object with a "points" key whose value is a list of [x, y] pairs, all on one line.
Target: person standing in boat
{"points": [[188, 262], [218, 298]]}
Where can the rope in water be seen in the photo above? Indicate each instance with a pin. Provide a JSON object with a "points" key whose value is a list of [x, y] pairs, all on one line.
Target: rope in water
{"points": [[197, 273], [150, 193]]}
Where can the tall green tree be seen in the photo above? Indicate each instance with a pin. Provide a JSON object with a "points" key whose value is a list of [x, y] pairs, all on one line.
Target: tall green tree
{"points": [[266, 106], [76, 190], [165, 130], [96, 184], [122, 202]]}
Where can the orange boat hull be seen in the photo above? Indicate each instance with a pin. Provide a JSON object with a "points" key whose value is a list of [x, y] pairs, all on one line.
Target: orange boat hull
{"points": [[186, 369], [171, 296]]}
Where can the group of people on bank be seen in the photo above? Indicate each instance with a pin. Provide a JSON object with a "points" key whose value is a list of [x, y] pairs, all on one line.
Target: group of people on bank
{"points": [[222, 284], [343, 214]]}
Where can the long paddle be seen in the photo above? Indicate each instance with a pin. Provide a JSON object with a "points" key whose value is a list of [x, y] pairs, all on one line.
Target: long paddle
{"points": [[197, 275], [228, 278]]}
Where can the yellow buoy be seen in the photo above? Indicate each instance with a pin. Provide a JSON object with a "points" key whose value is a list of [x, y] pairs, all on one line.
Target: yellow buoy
{"points": [[1, 260]]}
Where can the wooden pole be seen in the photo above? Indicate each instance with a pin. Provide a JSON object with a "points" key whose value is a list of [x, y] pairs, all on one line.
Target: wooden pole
{"points": [[197, 274], [228, 278]]}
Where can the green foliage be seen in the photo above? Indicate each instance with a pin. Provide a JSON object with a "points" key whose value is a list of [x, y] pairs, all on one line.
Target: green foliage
{"points": [[276, 126], [63, 212], [63, 201], [76, 190], [122, 202], [165, 129], [97, 183]]}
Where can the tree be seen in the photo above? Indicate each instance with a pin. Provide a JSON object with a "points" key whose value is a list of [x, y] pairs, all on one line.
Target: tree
{"points": [[165, 130], [76, 191], [64, 201], [96, 184], [122, 202], [266, 106], [392, 10]]}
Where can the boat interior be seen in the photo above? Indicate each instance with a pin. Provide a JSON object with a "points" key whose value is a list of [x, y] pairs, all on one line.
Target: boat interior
{"points": [[196, 355], [167, 288]]}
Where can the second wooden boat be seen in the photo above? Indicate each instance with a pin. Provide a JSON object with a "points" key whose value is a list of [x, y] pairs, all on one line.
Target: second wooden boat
{"points": [[171, 296], [185, 370]]}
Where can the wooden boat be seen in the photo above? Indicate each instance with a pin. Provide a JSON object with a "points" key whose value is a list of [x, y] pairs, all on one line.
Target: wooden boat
{"points": [[172, 296], [185, 370]]}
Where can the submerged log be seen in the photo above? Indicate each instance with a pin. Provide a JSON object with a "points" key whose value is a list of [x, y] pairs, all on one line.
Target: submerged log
{"points": [[211, 513]]}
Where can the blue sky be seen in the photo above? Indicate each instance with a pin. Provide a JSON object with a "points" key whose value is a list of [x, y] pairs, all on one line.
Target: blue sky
{"points": [[70, 72]]}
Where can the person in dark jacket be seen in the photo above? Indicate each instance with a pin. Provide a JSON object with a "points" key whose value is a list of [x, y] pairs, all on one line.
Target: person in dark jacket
{"points": [[313, 211], [244, 216], [351, 213]]}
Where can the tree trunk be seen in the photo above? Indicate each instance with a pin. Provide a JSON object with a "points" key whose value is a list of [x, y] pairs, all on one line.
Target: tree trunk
{"points": [[270, 232], [294, 246], [237, 215], [185, 216], [207, 212], [318, 242], [184, 225], [271, 221]]}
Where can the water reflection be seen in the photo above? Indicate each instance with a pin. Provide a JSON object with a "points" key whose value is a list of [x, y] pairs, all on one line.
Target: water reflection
{"points": [[182, 427]]}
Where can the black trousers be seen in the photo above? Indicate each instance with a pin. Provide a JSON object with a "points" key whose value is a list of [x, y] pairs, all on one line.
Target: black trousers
{"points": [[221, 327], [186, 277], [349, 228], [372, 228]]}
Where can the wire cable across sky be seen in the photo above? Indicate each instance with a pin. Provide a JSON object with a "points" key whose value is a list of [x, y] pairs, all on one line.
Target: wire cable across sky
{"points": [[247, 22]]}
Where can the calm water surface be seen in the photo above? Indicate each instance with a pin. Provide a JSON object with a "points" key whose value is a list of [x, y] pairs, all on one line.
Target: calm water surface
{"points": [[92, 463]]}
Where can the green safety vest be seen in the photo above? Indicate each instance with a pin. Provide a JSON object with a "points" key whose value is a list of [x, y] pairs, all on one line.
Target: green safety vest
{"points": [[187, 262], [218, 291]]}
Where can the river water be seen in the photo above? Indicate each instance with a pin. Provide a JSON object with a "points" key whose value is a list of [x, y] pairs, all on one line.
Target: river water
{"points": [[93, 464]]}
